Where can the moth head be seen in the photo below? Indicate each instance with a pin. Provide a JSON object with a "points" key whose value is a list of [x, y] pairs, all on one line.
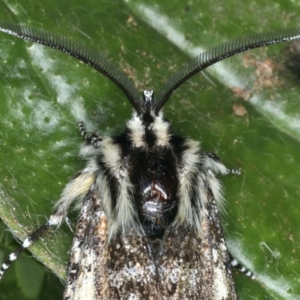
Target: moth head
{"points": [[148, 128], [147, 114], [147, 101]]}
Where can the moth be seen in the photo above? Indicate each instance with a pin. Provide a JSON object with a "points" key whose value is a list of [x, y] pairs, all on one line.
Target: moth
{"points": [[149, 224]]}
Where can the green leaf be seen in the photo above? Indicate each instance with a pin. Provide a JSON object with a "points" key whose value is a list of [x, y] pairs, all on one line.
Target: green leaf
{"points": [[44, 93], [31, 275]]}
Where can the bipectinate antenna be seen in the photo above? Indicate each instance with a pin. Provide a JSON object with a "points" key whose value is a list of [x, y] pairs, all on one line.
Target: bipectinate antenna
{"points": [[82, 53], [218, 53]]}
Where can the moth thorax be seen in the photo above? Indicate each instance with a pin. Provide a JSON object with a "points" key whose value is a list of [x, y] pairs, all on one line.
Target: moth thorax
{"points": [[155, 203], [155, 179]]}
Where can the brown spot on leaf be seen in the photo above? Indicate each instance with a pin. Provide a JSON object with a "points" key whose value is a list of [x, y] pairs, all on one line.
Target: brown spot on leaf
{"points": [[239, 110], [241, 93], [266, 75]]}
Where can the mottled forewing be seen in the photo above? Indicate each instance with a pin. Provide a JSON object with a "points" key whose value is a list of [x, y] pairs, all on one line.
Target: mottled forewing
{"points": [[81, 271], [100, 268], [131, 269], [223, 284], [185, 266], [193, 266]]}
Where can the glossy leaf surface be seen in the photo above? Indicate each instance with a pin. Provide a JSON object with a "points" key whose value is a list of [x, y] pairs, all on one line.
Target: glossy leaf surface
{"points": [[246, 110]]}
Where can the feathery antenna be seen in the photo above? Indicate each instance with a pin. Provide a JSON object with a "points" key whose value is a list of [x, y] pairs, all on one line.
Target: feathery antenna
{"points": [[218, 53], [82, 53]]}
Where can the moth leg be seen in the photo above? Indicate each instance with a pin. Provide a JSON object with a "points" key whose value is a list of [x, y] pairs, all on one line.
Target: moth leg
{"points": [[26, 244], [54, 220], [235, 264], [212, 162], [76, 187], [91, 139]]}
